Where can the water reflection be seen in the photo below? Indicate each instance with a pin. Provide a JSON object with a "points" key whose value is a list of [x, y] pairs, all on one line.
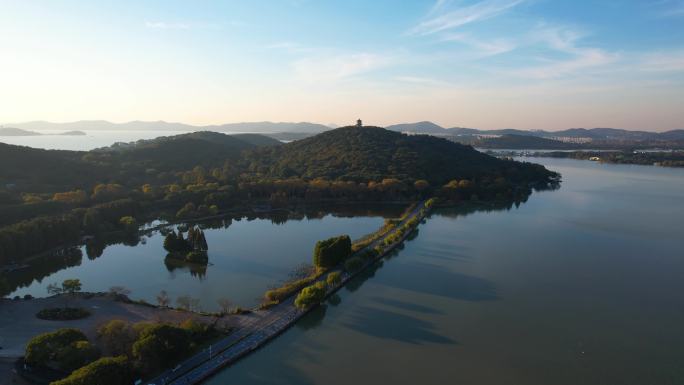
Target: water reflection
{"points": [[248, 254]]}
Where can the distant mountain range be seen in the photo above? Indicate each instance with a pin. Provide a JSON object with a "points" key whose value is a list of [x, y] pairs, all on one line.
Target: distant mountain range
{"points": [[101, 125], [573, 138], [593, 133]]}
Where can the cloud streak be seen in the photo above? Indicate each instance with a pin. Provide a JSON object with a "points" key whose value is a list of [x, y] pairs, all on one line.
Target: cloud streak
{"points": [[338, 67], [440, 18]]}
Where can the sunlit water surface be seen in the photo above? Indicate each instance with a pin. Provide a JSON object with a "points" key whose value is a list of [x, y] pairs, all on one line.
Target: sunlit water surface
{"points": [[584, 285]]}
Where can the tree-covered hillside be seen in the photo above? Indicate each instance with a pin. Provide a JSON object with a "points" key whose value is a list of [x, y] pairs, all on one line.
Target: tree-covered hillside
{"points": [[365, 154]]}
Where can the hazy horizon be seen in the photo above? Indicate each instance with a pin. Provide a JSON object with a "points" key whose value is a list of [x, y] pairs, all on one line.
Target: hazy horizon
{"points": [[485, 64], [331, 125]]}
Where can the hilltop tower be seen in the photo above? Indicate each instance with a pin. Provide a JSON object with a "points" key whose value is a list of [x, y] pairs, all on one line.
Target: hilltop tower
{"points": [[359, 123]]}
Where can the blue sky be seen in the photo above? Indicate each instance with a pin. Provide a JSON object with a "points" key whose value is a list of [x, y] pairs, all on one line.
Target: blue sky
{"points": [[537, 64]]}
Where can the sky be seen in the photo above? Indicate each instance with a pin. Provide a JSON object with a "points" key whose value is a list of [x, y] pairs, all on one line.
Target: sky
{"points": [[529, 64]]}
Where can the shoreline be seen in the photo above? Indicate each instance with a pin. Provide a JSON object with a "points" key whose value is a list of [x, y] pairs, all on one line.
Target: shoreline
{"points": [[278, 318]]}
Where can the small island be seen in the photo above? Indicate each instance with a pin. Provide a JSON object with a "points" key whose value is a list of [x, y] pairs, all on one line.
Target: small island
{"points": [[73, 133], [192, 248]]}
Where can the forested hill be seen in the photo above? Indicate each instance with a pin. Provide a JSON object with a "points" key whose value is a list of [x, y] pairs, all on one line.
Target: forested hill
{"points": [[372, 154], [35, 170], [38, 170], [180, 152]]}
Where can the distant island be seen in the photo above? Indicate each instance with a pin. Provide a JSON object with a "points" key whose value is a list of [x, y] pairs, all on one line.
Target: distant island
{"points": [[73, 133], [12, 131]]}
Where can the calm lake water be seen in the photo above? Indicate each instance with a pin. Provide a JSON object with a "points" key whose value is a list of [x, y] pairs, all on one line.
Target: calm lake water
{"points": [[584, 285], [92, 139], [246, 258]]}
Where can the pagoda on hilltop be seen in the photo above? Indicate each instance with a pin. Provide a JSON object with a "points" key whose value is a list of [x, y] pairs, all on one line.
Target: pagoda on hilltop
{"points": [[359, 123]]}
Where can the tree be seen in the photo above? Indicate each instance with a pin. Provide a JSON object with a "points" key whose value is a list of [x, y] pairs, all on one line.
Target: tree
{"points": [[163, 299], [66, 349], [334, 278], [69, 287], [116, 337], [353, 264], [311, 295], [224, 305], [160, 346], [105, 371], [330, 252]]}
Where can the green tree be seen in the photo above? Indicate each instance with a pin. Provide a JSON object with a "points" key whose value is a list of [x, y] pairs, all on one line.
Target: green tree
{"points": [[311, 295], [105, 371], [116, 337], [160, 346], [65, 349], [334, 278], [330, 252]]}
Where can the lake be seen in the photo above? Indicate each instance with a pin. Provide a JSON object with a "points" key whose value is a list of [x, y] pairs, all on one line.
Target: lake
{"points": [[246, 258], [583, 285], [93, 139]]}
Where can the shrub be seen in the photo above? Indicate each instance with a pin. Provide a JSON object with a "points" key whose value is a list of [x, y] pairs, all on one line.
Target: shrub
{"points": [[330, 252], [334, 278], [105, 371], [279, 294], [68, 349], [116, 337], [353, 264], [63, 314], [311, 295]]}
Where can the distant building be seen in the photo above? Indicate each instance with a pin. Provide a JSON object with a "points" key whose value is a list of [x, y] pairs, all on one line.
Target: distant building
{"points": [[359, 123]]}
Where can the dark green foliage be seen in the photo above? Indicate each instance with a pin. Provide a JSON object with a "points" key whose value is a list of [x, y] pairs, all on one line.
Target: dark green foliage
{"points": [[160, 346], [311, 295], [67, 349], [365, 154], [116, 337], [105, 371], [334, 278], [330, 252], [63, 314], [192, 248], [33, 236], [665, 159], [353, 264]]}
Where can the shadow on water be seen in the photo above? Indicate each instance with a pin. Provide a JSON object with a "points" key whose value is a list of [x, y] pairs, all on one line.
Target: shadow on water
{"points": [[407, 306], [387, 324], [314, 319], [434, 280]]}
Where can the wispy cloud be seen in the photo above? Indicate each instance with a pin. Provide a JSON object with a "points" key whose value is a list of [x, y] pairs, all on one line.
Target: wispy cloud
{"points": [[484, 47], [289, 46], [338, 67], [566, 41], [443, 17]]}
